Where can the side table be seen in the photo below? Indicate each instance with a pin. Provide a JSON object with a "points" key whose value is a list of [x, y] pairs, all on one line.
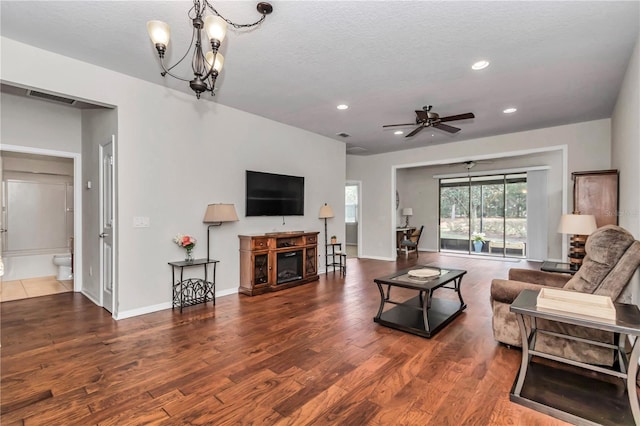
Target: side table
{"points": [[566, 393], [341, 263], [564, 268], [192, 291]]}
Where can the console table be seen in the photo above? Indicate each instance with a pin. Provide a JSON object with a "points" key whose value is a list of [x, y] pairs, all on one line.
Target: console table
{"points": [[192, 291], [566, 394], [278, 260]]}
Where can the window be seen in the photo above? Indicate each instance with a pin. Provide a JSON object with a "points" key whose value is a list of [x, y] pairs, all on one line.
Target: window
{"points": [[351, 203], [484, 214]]}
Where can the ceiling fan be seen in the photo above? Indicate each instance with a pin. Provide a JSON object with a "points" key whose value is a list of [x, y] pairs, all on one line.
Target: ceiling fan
{"points": [[471, 164], [426, 118]]}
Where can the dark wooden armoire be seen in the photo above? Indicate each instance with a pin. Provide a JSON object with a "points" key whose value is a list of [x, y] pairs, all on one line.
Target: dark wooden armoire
{"points": [[596, 193]]}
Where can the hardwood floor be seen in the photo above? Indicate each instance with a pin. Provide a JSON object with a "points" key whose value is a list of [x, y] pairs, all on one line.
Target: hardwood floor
{"points": [[306, 355]]}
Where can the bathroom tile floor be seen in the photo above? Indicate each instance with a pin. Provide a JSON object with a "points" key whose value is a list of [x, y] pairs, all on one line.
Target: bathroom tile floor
{"points": [[33, 287]]}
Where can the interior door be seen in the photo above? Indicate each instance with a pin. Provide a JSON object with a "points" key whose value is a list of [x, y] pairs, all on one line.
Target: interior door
{"points": [[106, 224], [3, 229]]}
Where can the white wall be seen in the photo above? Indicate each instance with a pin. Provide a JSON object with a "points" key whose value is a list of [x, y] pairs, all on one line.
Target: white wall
{"points": [[174, 156], [625, 145], [39, 124], [588, 146], [36, 164], [625, 152]]}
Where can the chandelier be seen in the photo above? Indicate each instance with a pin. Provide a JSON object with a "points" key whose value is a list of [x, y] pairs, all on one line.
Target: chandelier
{"points": [[206, 66]]}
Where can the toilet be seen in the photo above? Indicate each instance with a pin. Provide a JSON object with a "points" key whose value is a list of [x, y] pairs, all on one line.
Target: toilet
{"points": [[63, 262]]}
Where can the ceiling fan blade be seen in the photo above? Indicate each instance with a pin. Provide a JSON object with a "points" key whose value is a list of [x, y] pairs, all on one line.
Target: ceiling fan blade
{"points": [[415, 132], [446, 128], [422, 115], [458, 117], [392, 125]]}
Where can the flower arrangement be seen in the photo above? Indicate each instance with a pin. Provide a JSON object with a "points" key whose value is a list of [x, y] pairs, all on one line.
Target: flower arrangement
{"points": [[187, 242], [478, 236]]}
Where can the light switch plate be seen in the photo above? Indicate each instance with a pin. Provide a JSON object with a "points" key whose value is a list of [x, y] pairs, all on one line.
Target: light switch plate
{"points": [[141, 222]]}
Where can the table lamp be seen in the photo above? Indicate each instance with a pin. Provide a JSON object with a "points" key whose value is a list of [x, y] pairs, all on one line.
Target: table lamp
{"points": [[580, 226], [406, 212]]}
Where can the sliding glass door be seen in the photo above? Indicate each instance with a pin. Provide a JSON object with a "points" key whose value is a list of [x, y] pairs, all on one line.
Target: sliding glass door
{"points": [[484, 215]]}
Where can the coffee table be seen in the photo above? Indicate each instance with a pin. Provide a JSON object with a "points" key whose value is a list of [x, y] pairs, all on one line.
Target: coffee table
{"points": [[423, 314]]}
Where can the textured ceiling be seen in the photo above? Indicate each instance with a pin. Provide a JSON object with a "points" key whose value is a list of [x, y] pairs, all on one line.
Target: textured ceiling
{"points": [[557, 62]]}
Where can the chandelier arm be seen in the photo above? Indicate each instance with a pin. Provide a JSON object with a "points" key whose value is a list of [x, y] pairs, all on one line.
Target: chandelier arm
{"points": [[212, 82], [193, 36], [198, 61], [233, 24], [168, 71], [212, 70]]}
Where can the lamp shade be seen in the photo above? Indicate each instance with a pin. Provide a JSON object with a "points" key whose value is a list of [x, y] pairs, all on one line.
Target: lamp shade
{"points": [[407, 211], [159, 32], [577, 224], [218, 213], [216, 27], [326, 212], [219, 61]]}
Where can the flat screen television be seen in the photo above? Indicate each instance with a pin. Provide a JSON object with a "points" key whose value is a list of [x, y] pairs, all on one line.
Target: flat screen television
{"points": [[271, 194]]}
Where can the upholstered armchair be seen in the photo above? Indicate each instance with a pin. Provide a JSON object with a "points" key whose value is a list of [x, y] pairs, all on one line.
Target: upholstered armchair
{"points": [[612, 257]]}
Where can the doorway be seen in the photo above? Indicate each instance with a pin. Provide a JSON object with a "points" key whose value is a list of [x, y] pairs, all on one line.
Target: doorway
{"points": [[352, 218], [32, 236], [95, 123]]}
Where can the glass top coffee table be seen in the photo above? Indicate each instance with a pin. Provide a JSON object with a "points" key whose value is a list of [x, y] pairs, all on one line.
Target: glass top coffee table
{"points": [[423, 314]]}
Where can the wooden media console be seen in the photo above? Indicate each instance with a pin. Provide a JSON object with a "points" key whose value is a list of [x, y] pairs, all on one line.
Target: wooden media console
{"points": [[275, 261]]}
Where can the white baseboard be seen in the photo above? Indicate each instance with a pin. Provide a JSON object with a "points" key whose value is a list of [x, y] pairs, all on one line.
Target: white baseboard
{"points": [[388, 259], [91, 297], [142, 311], [162, 306], [226, 292]]}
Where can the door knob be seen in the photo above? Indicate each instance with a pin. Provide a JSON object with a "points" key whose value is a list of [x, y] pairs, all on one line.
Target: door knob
{"points": [[104, 234], [3, 230]]}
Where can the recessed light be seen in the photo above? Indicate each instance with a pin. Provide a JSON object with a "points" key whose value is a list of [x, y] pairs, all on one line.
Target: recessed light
{"points": [[480, 65], [342, 106], [432, 134], [510, 110], [398, 132]]}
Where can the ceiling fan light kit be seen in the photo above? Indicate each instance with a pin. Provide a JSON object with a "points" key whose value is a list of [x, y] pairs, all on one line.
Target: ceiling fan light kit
{"points": [[426, 118], [206, 66]]}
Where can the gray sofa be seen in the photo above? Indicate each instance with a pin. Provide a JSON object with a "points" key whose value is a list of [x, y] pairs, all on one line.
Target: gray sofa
{"points": [[612, 257]]}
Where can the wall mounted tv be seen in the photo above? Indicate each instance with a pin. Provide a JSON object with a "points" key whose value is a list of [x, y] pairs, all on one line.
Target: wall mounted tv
{"points": [[270, 194]]}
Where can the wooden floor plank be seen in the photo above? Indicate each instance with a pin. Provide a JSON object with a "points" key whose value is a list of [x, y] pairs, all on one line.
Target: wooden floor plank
{"points": [[306, 355]]}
